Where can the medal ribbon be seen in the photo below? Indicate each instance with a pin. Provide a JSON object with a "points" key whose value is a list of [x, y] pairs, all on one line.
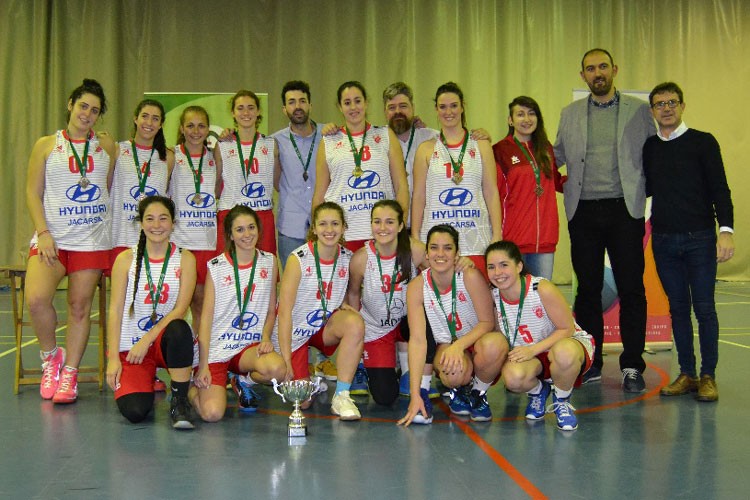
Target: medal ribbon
{"points": [[146, 171], [518, 316], [456, 164], [452, 321], [81, 164], [196, 174], [394, 277], [305, 164], [357, 154], [246, 168], [322, 289], [155, 293], [411, 139], [242, 301], [534, 166]]}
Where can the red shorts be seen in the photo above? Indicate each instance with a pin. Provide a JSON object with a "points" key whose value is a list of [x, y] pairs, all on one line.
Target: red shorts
{"points": [[201, 263], [546, 375], [267, 239], [140, 378], [74, 261], [113, 254], [355, 245], [381, 353], [299, 357], [219, 370]]}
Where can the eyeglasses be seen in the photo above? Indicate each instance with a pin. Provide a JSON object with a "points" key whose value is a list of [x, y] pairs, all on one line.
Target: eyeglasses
{"points": [[672, 103]]}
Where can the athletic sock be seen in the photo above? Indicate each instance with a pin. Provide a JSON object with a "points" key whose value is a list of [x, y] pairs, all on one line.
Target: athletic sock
{"points": [[403, 361], [247, 379], [46, 354], [180, 388], [537, 388], [480, 386], [342, 386], [562, 394]]}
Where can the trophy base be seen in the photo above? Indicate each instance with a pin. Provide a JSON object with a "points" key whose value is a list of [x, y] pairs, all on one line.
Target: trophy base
{"points": [[297, 431]]}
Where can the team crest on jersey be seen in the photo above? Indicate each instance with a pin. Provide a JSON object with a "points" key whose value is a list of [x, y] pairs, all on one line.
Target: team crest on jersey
{"points": [[342, 273], [180, 162], [232, 153], [514, 160], [339, 145], [178, 272], [59, 148], [227, 280], [264, 150], [263, 274], [461, 297], [308, 271], [211, 163], [435, 154], [472, 152], [377, 139], [126, 152], [539, 312], [98, 149]]}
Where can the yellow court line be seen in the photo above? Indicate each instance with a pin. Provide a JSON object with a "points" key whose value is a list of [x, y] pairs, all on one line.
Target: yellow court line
{"points": [[732, 303], [734, 344]]}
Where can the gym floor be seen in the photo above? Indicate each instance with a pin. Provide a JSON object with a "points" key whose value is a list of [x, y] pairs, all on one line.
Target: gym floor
{"points": [[626, 446]]}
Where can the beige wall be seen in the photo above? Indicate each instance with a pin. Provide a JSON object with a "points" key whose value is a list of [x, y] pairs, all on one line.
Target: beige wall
{"points": [[494, 50]]}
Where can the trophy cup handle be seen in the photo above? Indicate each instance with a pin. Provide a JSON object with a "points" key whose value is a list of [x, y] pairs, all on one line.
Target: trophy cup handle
{"points": [[276, 390], [317, 381]]}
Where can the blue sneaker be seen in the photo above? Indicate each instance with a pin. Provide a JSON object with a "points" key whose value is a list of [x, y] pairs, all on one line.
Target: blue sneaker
{"points": [[403, 385], [246, 395], [537, 406], [480, 408], [460, 404], [424, 419], [565, 412], [359, 384]]}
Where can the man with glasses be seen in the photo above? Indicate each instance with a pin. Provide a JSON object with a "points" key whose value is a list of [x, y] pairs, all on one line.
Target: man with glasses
{"points": [[685, 178], [600, 139]]}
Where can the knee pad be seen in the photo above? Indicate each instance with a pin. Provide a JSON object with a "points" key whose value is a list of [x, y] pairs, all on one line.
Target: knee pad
{"points": [[136, 406], [383, 383], [177, 344]]}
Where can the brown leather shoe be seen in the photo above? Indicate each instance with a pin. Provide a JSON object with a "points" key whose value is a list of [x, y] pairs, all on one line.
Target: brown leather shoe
{"points": [[681, 385], [707, 390]]}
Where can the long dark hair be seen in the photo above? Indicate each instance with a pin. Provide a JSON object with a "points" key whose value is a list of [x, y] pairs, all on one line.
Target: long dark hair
{"points": [[326, 205], [191, 109], [235, 212], [453, 88], [539, 140], [142, 206], [403, 247], [160, 143], [511, 250], [251, 95]]}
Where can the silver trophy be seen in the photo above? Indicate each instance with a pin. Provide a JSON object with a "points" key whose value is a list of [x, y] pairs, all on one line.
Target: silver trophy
{"points": [[297, 392]]}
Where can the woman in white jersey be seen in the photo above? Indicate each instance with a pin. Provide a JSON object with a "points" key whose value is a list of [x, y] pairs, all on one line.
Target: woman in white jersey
{"points": [[455, 181], [545, 342], [192, 187], [152, 285], [239, 310], [359, 165], [143, 167], [245, 164], [458, 306], [68, 201], [311, 309]]}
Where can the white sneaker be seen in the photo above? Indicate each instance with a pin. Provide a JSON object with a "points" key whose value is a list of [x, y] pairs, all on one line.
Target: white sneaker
{"points": [[343, 406]]}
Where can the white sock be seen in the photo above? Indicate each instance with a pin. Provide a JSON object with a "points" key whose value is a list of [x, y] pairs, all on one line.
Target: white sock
{"points": [[247, 379], [426, 382], [537, 388], [480, 386], [403, 361], [46, 354], [562, 394]]}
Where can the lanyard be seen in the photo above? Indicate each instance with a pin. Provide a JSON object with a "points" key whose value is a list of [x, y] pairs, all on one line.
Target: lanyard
{"points": [[155, 293], [322, 289], [527, 153], [197, 175], [452, 319], [246, 166], [357, 154], [305, 164], [457, 177], [389, 296], [83, 182], [242, 301], [411, 139], [142, 176], [518, 316]]}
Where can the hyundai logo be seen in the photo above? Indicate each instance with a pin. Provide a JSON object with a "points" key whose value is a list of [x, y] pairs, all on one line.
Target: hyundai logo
{"points": [[249, 320], [317, 318], [145, 324], [83, 194], [206, 201], [456, 197], [254, 190], [135, 192], [369, 179]]}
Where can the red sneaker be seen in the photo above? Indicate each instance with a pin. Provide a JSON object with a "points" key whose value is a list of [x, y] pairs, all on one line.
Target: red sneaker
{"points": [[51, 366]]}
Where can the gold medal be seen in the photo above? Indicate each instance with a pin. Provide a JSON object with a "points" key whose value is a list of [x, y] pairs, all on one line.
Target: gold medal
{"points": [[141, 197], [357, 171], [457, 178], [305, 176], [84, 182], [242, 324], [154, 318], [197, 199]]}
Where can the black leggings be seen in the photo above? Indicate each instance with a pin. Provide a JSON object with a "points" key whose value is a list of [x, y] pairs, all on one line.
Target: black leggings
{"points": [[431, 345], [177, 348]]}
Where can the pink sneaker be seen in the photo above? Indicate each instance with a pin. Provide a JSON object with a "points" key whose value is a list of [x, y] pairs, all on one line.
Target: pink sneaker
{"points": [[51, 366], [67, 391]]}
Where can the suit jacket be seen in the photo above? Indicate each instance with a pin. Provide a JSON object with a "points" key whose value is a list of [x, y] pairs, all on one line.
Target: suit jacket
{"points": [[634, 125]]}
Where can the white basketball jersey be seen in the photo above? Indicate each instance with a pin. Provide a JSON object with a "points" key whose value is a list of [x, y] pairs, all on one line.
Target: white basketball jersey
{"points": [[196, 219], [467, 316], [256, 189]]}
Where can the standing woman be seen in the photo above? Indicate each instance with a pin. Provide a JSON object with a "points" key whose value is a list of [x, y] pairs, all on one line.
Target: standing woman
{"points": [[455, 181], [527, 178], [143, 167], [245, 167], [239, 310], [151, 289], [545, 342], [68, 201], [311, 309], [359, 165], [459, 309], [192, 187]]}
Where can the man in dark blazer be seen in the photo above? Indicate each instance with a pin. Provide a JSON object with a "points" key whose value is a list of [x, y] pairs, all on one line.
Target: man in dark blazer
{"points": [[600, 139]]}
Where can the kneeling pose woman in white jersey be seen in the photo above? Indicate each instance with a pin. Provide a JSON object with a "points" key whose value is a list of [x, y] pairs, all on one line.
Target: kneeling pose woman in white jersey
{"points": [[545, 341], [311, 312], [238, 312], [458, 306], [152, 285], [68, 201]]}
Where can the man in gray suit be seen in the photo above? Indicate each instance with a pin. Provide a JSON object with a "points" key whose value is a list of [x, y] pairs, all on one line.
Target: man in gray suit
{"points": [[600, 139]]}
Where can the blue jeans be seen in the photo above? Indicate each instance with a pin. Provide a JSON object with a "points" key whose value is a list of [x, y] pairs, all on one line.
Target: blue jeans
{"points": [[287, 244], [686, 264], [539, 264]]}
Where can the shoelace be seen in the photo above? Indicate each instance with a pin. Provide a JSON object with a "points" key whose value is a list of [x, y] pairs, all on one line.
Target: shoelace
{"points": [[630, 373], [66, 380], [536, 402], [564, 406], [49, 374]]}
